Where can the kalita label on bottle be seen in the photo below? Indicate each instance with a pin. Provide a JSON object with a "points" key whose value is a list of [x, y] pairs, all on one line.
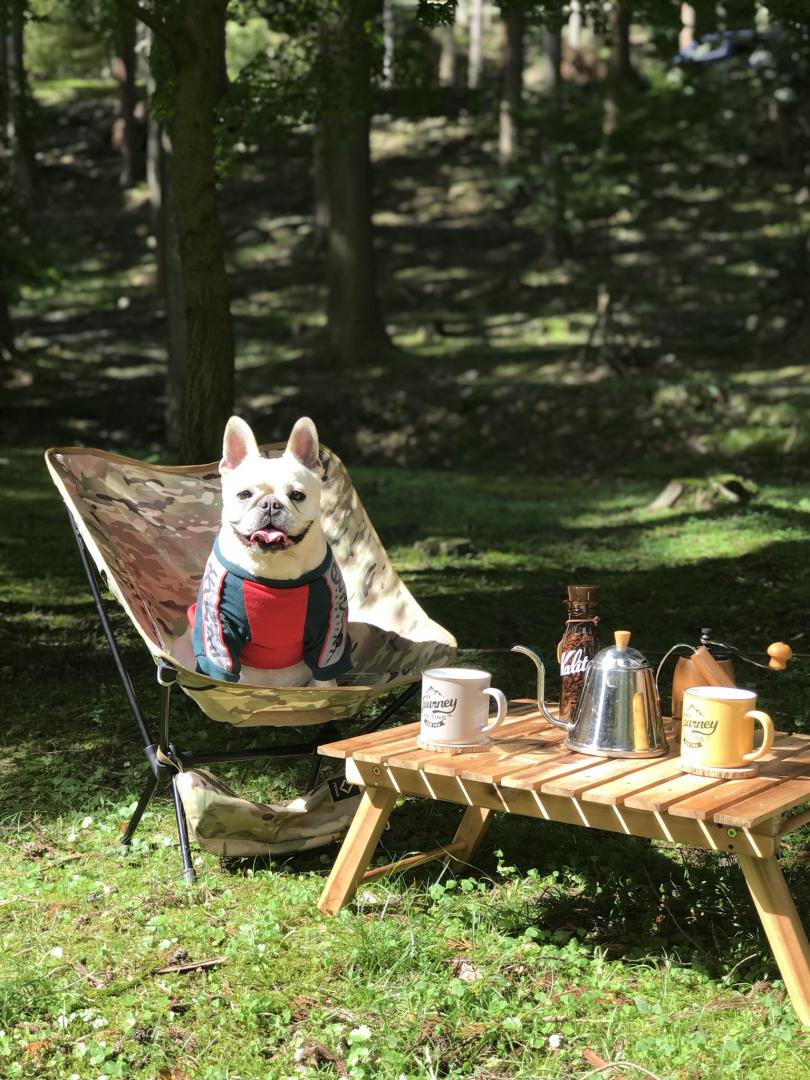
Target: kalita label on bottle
{"points": [[574, 661]]}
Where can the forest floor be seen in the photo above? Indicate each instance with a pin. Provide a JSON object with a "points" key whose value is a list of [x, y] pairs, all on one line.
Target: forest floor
{"points": [[493, 420]]}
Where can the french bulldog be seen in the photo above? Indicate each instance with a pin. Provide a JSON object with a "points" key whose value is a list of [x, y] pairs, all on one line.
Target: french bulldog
{"points": [[272, 607]]}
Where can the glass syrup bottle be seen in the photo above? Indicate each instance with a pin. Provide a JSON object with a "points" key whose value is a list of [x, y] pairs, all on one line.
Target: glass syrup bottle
{"points": [[578, 646]]}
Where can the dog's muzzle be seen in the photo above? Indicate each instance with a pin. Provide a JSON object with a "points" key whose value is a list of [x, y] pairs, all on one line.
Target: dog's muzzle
{"points": [[271, 539]]}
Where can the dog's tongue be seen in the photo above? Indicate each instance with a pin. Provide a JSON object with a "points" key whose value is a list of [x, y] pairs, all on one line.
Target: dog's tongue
{"points": [[270, 536]]}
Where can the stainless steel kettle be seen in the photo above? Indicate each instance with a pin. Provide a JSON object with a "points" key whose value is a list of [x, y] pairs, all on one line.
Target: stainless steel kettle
{"points": [[618, 713]]}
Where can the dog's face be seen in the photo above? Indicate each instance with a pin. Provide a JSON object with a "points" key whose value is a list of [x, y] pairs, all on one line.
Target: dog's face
{"points": [[271, 507]]}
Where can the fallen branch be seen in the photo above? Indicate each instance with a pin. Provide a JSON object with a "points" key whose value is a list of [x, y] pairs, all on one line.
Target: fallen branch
{"points": [[192, 966], [622, 1065]]}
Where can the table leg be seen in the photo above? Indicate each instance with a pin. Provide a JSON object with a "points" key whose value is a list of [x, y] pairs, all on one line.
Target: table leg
{"points": [[782, 925], [357, 849], [470, 833]]}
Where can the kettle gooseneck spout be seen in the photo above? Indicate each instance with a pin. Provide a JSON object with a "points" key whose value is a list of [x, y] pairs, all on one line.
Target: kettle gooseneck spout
{"points": [[541, 688]]}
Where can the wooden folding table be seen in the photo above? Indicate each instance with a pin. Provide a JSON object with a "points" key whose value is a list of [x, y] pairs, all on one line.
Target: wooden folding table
{"points": [[527, 770]]}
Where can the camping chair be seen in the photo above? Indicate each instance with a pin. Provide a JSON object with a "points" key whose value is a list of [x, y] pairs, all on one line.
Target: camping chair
{"points": [[145, 531]]}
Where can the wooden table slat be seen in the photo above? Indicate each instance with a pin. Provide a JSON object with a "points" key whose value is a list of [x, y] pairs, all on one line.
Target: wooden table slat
{"points": [[606, 769], [377, 746], [562, 763], [615, 791], [662, 796], [507, 756], [345, 748], [782, 764], [750, 812], [408, 754]]}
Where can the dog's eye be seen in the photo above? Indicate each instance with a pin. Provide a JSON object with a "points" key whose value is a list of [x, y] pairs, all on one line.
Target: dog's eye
{"points": [[297, 496], [244, 495]]}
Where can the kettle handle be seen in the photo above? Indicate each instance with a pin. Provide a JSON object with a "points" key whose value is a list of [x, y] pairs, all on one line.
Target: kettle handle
{"points": [[541, 688]]}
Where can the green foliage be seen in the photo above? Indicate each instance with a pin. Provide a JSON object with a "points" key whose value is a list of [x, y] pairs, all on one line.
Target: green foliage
{"points": [[273, 92], [72, 40]]}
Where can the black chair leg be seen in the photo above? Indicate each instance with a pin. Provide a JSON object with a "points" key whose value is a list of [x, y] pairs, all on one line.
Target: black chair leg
{"points": [[143, 802], [326, 734], [314, 773], [182, 833]]}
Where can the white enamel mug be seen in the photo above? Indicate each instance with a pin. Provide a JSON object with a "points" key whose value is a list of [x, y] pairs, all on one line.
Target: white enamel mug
{"points": [[455, 708]]}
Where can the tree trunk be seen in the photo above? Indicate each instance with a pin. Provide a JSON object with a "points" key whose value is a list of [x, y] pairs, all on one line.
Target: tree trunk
{"points": [[163, 218], [447, 56], [7, 347], [320, 188], [154, 159], [575, 26], [620, 68], [389, 23], [207, 382], [356, 331], [555, 59], [170, 277], [18, 106], [475, 13], [128, 138], [3, 76], [511, 86]]}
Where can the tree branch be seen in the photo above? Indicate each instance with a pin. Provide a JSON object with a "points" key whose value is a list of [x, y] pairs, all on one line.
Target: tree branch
{"points": [[158, 26]]}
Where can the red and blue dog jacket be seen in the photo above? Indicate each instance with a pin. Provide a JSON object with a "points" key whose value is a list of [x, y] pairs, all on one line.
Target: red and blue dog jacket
{"points": [[240, 619]]}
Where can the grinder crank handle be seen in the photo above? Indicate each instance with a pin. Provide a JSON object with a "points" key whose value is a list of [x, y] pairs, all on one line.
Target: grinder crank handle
{"points": [[779, 654]]}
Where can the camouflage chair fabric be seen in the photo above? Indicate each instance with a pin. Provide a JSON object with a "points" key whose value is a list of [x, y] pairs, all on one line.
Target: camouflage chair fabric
{"points": [[225, 824], [149, 530]]}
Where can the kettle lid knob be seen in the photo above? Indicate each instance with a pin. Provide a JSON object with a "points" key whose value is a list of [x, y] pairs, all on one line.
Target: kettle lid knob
{"points": [[622, 638]]}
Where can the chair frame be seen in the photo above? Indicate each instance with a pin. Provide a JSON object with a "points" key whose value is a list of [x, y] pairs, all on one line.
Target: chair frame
{"points": [[165, 758]]}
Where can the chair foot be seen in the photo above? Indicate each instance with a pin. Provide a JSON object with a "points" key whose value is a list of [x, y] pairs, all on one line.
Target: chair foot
{"points": [[182, 833]]}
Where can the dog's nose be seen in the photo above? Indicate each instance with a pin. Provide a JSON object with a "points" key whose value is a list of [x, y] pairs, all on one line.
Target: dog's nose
{"points": [[270, 503]]}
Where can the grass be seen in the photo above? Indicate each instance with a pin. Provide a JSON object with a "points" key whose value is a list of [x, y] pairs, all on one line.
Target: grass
{"points": [[492, 424]]}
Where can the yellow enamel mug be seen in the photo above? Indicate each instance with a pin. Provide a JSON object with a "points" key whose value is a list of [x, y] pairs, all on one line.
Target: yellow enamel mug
{"points": [[717, 730]]}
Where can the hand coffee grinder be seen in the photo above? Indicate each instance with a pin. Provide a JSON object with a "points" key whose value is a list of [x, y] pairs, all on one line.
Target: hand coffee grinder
{"points": [[710, 664]]}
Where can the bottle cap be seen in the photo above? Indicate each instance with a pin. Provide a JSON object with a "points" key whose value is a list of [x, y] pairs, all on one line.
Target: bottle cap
{"points": [[583, 594]]}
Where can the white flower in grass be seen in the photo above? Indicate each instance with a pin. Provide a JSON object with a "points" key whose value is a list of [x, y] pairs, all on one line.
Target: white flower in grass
{"points": [[165, 944], [87, 822], [72, 838], [361, 1032], [555, 1041], [57, 951], [99, 1022], [62, 1021]]}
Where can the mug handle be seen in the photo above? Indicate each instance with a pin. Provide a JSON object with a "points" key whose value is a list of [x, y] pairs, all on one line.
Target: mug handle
{"points": [[768, 736], [500, 699]]}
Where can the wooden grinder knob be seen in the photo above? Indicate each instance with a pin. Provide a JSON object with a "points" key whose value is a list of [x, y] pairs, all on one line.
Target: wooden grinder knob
{"points": [[622, 638], [779, 653]]}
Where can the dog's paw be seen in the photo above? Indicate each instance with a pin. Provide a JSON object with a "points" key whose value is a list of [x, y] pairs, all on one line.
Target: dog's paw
{"points": [[323, 684]]}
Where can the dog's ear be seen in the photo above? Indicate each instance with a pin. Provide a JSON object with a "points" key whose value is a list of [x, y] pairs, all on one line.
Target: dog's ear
{"points": [[238, 443], [303, 445]]}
